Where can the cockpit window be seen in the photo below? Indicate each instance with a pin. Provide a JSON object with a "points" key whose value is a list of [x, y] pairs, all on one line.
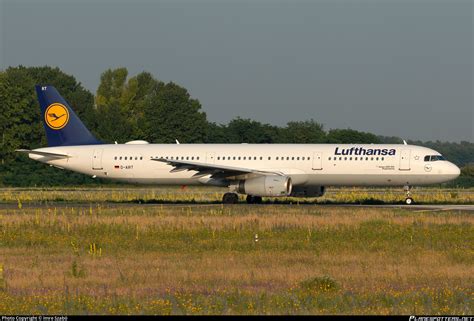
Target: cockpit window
{"points": [[433, 158]]}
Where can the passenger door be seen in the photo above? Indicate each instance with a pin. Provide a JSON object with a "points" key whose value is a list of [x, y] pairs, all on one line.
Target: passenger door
{"points": [[405, 160], [97, 159]]}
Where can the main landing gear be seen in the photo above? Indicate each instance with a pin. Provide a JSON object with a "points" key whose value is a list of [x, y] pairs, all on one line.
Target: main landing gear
{"points": [[408, 199], [230, 198], [233, 198], [254, 199]]}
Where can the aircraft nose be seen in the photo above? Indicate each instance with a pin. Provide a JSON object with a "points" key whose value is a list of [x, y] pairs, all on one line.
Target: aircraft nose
{"points": [[454, 170]]}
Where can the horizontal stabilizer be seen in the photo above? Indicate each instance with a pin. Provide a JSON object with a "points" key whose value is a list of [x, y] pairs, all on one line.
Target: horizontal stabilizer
{"points": [[45, 154]]}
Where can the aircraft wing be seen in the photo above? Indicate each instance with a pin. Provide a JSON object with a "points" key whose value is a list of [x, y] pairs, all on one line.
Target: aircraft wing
{"points": [[45, 154], [216, 171]]}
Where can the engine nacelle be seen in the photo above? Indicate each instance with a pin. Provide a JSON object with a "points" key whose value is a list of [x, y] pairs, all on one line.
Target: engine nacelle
{"points": [[308, 191], [271, 185]]}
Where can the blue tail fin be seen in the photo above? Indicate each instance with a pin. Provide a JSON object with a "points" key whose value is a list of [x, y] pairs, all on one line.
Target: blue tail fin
{"points": [[63, 127]]}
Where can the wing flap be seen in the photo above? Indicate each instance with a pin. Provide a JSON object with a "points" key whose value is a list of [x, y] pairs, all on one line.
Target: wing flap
{"points": [[216, 171]]}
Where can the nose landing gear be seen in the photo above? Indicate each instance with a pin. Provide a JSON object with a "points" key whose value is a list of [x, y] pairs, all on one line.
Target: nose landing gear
{"points": [[408, 200]]}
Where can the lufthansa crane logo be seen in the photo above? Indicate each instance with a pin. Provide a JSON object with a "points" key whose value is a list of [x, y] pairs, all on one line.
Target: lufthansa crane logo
{"points": [[56, 116]]}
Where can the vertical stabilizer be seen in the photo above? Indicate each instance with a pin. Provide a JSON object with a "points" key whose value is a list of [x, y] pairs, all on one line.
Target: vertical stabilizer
{"points": [[63, 127]]}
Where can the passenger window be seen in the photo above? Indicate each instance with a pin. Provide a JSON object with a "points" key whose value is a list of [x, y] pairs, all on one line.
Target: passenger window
{"points": [[261, 158], [245, 157], [297, 158], [329, 158], [197, 158], [120, 157], [302, 158]]}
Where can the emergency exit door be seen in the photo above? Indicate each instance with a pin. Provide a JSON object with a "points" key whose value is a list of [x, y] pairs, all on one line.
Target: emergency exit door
{"points": [[317, 161], [210, 158]]}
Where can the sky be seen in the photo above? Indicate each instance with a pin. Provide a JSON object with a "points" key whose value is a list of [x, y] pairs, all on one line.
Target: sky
{"points": [[392, 67]]}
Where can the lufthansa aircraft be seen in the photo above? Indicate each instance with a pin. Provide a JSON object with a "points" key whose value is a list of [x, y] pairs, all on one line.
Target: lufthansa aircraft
{"points": [[301, 170]]}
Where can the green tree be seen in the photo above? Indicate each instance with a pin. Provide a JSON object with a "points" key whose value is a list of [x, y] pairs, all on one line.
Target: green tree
{"points": [[304, 132], [121, 104], [21, 125], [172, 114], [241, 130], [350, 136]]}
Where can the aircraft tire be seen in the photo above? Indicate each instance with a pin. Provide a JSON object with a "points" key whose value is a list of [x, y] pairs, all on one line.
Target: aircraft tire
{"points": [[230, 198], [254, 199]]}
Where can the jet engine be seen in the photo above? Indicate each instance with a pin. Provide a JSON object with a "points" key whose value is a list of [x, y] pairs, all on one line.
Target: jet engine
{"points": [[269, 185], [308, 191]]}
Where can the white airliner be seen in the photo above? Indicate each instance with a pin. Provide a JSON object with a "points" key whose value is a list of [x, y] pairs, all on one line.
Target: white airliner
{"points": [[257, 170]]}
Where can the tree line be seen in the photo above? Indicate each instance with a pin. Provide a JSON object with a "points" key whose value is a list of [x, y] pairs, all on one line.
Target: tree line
{"points": [[142, 107]]}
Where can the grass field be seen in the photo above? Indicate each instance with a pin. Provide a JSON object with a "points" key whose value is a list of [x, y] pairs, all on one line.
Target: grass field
{"points": [[193, 194], [101, 254]]}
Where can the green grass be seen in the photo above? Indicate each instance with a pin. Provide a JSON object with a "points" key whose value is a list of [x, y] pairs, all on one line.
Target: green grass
{"points": [[190, 259], [210, 195]]}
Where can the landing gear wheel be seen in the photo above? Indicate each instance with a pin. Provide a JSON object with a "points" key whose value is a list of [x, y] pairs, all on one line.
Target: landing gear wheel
{"points": [[230, 198], [408, 199], [254, 199]]}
